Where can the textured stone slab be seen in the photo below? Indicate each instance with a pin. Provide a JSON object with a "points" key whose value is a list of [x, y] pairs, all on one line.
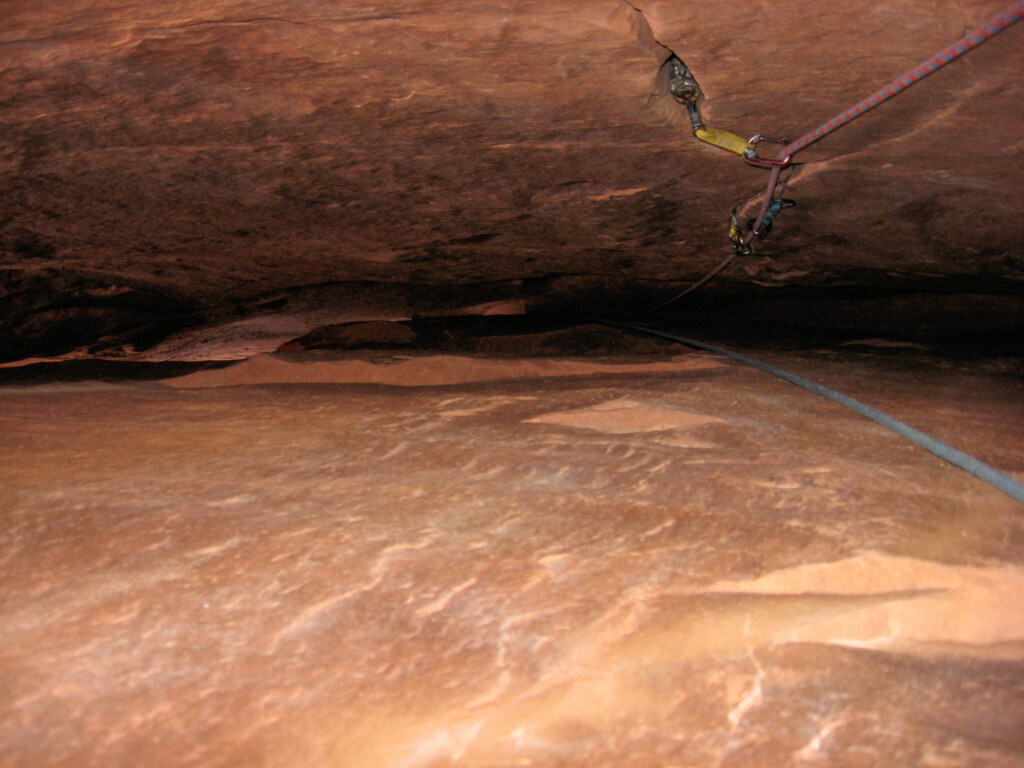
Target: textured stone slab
{"points": [[431, 370], [488, 574]]}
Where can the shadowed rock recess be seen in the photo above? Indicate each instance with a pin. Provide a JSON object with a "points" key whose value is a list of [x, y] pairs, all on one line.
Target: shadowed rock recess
{"points": [[316, 452], [177, 164]]}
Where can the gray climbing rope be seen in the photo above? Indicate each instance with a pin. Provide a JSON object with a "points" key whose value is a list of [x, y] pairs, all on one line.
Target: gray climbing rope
{"points": [[964, 461]]}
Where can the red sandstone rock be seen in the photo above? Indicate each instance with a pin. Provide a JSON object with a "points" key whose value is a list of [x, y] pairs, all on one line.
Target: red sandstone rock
{"points": [[211, 154], [685, 566], [399, 558]]}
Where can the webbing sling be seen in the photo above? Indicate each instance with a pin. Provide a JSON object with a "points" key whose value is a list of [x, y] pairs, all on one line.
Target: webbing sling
{"points": [[723, 139]]}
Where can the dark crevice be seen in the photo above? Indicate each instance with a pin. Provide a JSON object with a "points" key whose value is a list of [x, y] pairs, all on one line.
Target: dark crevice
{"points": [[632, 19]]}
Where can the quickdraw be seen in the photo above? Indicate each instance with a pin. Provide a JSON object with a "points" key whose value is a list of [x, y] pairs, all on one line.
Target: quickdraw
{"points": [[687, 91]]}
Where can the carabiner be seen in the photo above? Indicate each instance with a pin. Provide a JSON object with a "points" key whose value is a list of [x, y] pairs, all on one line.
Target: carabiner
{"points": [[778, 204], [752, 158], [739, 247]]}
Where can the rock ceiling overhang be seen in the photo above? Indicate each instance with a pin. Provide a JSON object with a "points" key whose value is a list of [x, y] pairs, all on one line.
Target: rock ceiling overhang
{"points": [[167, 158]]}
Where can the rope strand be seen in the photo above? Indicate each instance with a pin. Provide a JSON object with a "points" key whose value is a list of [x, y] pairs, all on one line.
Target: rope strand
{"points": [[986, 31], [992, 27]]}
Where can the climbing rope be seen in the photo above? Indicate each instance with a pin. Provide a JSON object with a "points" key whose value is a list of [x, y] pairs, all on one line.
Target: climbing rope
{"points": [[964, 461], [965, 44], [683, 86], [691, 288]]}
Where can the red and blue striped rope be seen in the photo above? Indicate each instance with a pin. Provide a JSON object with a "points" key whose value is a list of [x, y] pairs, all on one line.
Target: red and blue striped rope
{"points": [[989, 29]]}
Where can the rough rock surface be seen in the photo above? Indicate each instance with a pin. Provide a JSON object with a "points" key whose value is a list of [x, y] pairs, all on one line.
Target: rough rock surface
{"points": [[630, 566], [183, 163], [432, 519]]}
